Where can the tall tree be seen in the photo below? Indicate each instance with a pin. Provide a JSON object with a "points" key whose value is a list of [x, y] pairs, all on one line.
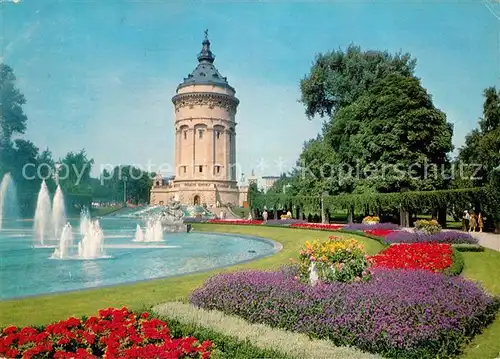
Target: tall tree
{"points": [[75, 172], [482, 147], [339, 78], [391, 137], [12, 117]]}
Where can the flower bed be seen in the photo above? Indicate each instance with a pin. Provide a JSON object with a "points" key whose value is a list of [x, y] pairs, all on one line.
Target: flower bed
{"points": [[335, 260], [451, 237], [371, 220], [428, 227], [252, 222], [435, 257], [320, 226], [379, 232], [364, 226], [114, 333], [399, 313]]}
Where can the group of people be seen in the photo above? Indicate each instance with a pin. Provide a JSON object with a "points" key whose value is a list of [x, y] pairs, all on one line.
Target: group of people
{"points": [[471, 221]]}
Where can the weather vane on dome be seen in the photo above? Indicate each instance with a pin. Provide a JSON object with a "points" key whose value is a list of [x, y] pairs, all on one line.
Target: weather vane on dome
{"points": [[206, 34]]}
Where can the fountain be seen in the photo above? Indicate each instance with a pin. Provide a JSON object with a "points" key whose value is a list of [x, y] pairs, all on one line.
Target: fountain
{"points": [[91, 246], [42, 214], [139, 234], [65, 243], [9, 207], [84, 221], [58, 212], [152, 233]]}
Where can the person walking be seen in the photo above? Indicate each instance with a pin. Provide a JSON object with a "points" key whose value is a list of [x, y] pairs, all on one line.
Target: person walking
{"points": [[472, 222], [480, 222], [465, 219], [264, 215]]}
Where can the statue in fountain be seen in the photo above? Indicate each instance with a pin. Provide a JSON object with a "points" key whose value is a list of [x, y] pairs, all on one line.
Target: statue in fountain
{"points": [[172, 218]]}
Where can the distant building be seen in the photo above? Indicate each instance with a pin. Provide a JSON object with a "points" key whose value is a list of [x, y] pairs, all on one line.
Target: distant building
{"points": [[269, 181]]}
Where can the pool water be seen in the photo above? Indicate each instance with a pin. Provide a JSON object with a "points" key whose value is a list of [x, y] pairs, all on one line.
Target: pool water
{"points": [[27, 269]]}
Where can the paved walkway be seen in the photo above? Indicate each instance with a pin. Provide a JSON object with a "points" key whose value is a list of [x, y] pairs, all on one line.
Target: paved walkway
{"points": [[488, 240]]}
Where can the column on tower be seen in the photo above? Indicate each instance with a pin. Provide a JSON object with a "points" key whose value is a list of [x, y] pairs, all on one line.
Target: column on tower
{"points": [[177, 159], [233, 156], [192, 132], [227, 168], [209, 157]]}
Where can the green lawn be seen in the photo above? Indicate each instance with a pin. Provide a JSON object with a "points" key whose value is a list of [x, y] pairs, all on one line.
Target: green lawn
{"points": [[481, 266]]}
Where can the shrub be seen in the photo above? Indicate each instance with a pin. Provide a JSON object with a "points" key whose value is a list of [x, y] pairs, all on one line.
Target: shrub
{"points": [[364, 226], [435, 257], [370, 219], [335, 260], [451, 237], [399, 313], [457, 265], [465, 247], [267, 342], [427, 227], [115, 333]]}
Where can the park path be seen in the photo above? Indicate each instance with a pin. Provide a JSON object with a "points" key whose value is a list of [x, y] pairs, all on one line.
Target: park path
{"points": [[488, 240]]}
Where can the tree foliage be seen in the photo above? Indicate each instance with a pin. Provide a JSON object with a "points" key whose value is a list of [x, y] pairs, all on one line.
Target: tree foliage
{"points": [[384, 133], [387, 138], [482, 145], [339, 78], [111, 186], [12, 117]]}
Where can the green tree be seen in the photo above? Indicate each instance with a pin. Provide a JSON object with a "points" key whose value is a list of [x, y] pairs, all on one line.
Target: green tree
{"points": [[12, 117], [391, 137], [75, 173], [482, 148], [339, 78], [482, 145], [138, 184]]}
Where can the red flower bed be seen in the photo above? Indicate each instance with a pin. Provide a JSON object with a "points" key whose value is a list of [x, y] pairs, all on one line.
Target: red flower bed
{"points": [[324, 226], [115, 333], [379, 232], [434, 257], [236, 221]]}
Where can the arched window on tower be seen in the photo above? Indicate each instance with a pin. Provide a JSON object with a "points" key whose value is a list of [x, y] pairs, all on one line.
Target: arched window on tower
{"points": [[185, 135]]}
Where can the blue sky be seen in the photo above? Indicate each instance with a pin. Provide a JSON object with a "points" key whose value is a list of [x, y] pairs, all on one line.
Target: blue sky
{"points": [[100, 75]]}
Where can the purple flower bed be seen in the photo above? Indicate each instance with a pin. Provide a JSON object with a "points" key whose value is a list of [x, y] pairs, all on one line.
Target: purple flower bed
{"points": [[410, 314], [363, 227], [451, 237]]}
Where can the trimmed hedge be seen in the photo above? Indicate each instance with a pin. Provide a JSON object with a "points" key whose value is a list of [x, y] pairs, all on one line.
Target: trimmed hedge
{"points": [[464, 247], [457, 264], [197, 322]]}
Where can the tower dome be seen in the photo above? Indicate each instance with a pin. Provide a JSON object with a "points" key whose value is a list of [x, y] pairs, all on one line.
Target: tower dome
{"points": [[205, 73]]}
